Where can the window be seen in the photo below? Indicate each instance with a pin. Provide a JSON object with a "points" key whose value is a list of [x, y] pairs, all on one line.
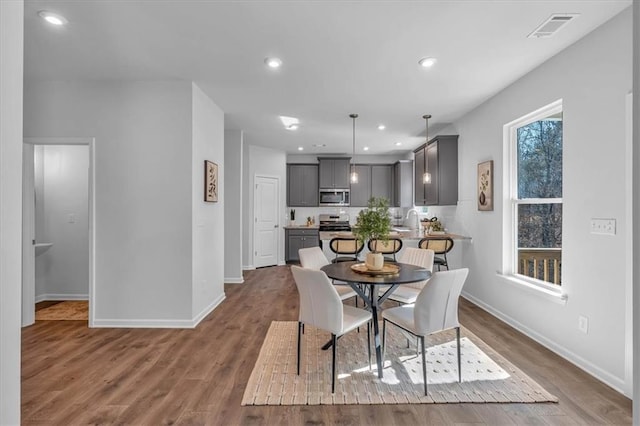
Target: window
{"points": [[534, 211]]}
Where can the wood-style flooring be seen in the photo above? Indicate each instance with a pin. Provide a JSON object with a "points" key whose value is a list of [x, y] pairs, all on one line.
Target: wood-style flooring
{"points": [[72, 374]]}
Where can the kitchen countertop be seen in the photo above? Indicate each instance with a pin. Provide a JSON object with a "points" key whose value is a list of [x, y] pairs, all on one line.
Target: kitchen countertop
{"points": [[302, 227], [412, 234]]}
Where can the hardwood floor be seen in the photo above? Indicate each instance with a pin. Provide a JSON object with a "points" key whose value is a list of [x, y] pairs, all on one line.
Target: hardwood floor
{"points": [[75, 375]]}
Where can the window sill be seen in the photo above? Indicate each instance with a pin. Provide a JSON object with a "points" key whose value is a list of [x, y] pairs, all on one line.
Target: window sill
{"points": [[556, 296]]}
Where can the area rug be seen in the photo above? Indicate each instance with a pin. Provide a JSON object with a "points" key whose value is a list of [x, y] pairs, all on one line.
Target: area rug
{"points": [[486, 375], [70, 310]]}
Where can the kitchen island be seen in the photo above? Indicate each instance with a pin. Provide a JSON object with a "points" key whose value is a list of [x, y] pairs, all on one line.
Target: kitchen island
{"points": [[410, 238]]}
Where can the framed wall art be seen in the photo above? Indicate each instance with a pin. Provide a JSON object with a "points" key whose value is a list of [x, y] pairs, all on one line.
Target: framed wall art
{"points": [[210, 181], [485, 186]]}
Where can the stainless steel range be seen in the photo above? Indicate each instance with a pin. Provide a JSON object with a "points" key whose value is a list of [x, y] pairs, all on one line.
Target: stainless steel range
{"points": [[334, 222]]}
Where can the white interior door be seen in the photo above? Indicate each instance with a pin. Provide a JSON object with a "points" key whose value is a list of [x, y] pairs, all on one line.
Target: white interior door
{"points": [[266, 227]]}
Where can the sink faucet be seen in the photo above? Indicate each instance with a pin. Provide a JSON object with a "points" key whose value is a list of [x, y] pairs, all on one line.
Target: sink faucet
{"points": [[413, 224]]}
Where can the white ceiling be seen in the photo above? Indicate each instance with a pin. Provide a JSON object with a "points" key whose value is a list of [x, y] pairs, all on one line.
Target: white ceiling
{"points": [[340, 57]]}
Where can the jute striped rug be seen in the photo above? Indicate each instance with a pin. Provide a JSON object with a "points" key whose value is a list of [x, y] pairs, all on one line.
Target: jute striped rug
{"points": [[486, 376]]}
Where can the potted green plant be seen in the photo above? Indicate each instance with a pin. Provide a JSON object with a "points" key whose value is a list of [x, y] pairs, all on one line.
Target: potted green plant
{"points": [[374, 223]]}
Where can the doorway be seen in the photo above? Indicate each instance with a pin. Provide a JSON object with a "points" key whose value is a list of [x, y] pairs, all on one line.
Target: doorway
{"points": [[58, 223], [266, 199]]}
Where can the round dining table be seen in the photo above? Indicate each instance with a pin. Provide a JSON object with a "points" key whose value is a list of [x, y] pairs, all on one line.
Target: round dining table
{"points": [[343, 271]]}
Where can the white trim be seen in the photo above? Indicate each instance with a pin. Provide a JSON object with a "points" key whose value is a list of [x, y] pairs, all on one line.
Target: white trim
{"points": [[208, 309], [239, 280], [165, 323], [58, 296], [248, 268], [546, 293], [628, 318], [253, 214], [28, 237], [510, 201], [616, 383]]}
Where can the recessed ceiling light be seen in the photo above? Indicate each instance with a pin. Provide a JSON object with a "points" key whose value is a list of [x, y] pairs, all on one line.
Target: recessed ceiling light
{"points": [[398, 143], [52, 18], [427, 62], [300, 148], [273, 62], [366, 148], [381, 127]]}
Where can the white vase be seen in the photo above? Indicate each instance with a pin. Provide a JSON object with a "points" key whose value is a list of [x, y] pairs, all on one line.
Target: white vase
{"points": [[374, 261]]}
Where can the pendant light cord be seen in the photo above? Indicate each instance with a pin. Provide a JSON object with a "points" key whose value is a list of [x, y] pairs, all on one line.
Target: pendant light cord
{"points": [[354, 116]]}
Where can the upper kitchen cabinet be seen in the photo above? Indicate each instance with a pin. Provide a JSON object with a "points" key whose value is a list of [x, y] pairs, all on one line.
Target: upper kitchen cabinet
{"points": [[302, 185], [440, 158], [361, 191], [334, 172], [374, 180], [382, 181], [403, 184]]}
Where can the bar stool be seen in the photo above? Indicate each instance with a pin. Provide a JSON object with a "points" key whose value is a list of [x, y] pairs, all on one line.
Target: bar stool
{"points": [[388, 248], [440, 246], [346, 249]]}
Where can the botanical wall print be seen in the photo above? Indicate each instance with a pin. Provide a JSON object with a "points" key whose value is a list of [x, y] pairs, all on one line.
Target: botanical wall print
{"points": [[485, 186], [210, 181]]}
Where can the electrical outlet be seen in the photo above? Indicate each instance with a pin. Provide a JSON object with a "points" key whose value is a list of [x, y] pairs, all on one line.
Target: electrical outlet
{"points": [[583, 324], [603, 226]]}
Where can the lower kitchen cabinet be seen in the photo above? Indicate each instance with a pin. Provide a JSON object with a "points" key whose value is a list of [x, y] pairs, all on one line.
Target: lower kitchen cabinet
{"points": [[297, 238]]}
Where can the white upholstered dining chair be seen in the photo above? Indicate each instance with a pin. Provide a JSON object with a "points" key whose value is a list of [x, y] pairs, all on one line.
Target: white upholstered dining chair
{"points": [[435, 310], [408, 293], [314, 258], [321, 307]]}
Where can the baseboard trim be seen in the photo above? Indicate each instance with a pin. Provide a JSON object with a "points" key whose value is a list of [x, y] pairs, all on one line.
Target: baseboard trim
{"points": [[152, 323], [239, 280], [56, 296], [614, 382], [207, 310], [248, 267]]}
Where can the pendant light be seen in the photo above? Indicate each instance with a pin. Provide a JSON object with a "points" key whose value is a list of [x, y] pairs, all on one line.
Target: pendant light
{"points": [[426, 177], [354, 176]]}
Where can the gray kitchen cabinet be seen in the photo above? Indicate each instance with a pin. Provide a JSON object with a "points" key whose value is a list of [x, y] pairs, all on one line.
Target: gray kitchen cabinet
{"points": [[418, 186], [302, 185], [382, 181], [295, 239], [403, 184], [334, 172], [361, 191], [374, 180], [440, 158]]}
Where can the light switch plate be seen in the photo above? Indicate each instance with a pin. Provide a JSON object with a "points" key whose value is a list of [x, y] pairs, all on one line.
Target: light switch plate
{"points": [[603, 226]]}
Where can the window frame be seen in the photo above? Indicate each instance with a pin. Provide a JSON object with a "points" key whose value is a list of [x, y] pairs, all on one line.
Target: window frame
{"points": [[512, 202]]}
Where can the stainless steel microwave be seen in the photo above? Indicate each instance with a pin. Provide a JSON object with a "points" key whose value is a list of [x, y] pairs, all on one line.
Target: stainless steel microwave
{"points": [[334, 197]]}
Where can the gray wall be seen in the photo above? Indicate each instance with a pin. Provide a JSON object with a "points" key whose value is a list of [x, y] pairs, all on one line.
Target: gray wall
{"points": [[234, 234], [147, 159], [636, 212], [268, 162], [593, 78], [208, 219], [62, 189], [11, 60]]}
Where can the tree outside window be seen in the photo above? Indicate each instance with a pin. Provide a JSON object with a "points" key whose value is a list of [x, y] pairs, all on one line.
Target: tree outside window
{"points": [[538, 199]]}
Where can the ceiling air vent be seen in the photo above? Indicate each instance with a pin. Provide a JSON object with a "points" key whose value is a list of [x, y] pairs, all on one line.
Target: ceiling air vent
{"points": [[552, 25]]}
